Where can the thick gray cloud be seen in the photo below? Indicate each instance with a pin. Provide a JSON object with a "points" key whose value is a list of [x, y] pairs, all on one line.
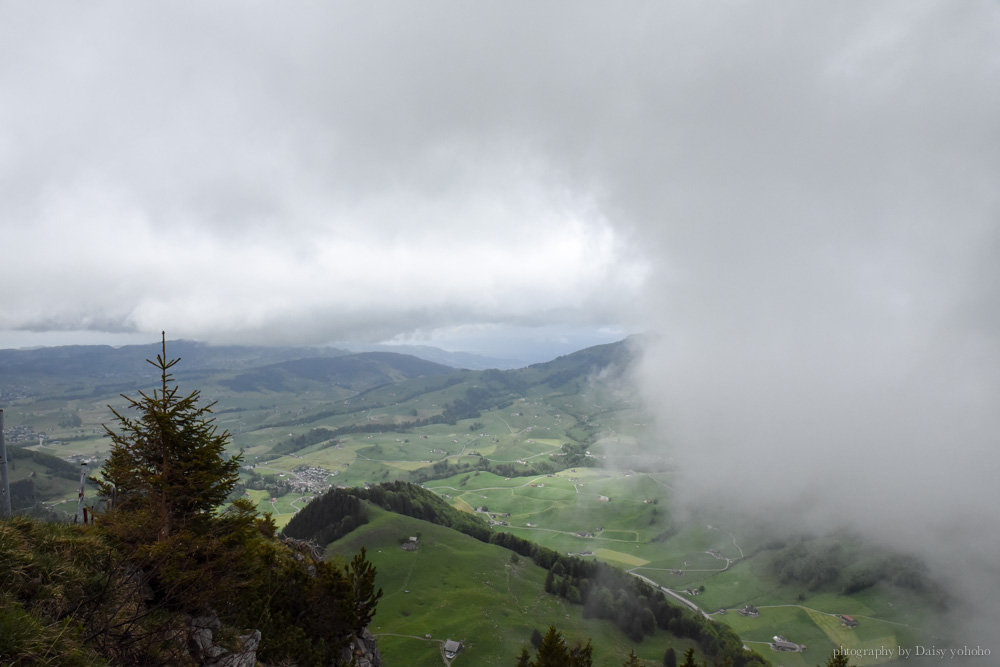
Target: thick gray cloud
{"points": [[240, 173], [826, 282], [248, 172]]}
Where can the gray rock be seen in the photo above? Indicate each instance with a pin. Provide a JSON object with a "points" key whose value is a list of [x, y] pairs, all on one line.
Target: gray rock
{"points": [[246, 656], [202, 647], [363, 650]]}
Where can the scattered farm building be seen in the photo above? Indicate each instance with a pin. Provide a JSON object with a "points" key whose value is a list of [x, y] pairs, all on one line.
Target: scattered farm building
{"points": [[748, 610], [848, 621], [452, 647]]}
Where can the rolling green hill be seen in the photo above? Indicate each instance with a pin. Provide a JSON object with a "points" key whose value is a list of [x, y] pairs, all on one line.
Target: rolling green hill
{"points": [[560, 447], [455, 587]]}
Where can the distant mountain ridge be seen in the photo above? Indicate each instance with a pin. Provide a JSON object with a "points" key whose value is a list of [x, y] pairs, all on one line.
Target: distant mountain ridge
{"points": [[84, 372], [99, 362], [92, 363], [457, 359], [356, 372], [271, 368]]}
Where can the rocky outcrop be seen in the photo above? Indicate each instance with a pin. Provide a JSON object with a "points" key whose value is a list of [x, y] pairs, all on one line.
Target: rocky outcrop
{"points": [[203, 648], [246, 653], [363, 650]]}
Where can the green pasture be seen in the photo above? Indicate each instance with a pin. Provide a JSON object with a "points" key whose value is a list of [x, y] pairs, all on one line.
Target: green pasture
{"points": [[557, 540], [792, 623], [571, 520], [557, 500], [282, 510], [560, 508], [477, 480], [480, 596], [417, 651], [868, 635], [526, 430], [906, 608], [620, 558], [732, 589], [89, 447], [620, 535], [821, 632]]}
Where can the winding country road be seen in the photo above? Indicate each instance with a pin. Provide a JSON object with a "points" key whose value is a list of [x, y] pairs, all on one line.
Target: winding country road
{"points": [[677, 596]]}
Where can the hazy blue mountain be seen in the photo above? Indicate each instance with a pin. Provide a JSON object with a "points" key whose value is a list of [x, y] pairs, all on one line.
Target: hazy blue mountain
{"points": [[467, 360], [356, 372], [102, 362]]}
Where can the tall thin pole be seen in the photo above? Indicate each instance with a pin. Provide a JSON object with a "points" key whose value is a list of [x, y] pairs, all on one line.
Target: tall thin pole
{"points": [[79, 502], [4, 480]]}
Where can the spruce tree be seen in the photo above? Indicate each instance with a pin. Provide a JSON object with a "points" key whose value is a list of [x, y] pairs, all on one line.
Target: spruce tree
{"points": [[670, 658], [168, 465], [361, 572], [582, 656], [553, 652]]}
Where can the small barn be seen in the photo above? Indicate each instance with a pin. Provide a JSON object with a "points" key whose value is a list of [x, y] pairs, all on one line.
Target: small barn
{"points": [[452, 647]]}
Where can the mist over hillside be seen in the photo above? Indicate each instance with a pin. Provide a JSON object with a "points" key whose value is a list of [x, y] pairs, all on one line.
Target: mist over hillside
{"points": [[890, 433]]}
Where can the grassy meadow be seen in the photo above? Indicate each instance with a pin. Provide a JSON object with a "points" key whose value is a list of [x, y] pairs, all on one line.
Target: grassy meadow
{"points": [[455, 587], [586, 511]]}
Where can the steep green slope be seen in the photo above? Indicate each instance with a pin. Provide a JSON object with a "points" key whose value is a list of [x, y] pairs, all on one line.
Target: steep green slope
{"points": [[455, 587], [601, 591]]}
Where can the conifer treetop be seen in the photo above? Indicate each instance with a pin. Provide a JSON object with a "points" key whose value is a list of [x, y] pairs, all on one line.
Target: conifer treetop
{"points": [[168, 463]]}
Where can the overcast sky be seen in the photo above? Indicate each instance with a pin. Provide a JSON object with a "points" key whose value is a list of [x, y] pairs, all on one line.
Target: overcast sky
{"points": [[265, 173], [251, 172]]}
